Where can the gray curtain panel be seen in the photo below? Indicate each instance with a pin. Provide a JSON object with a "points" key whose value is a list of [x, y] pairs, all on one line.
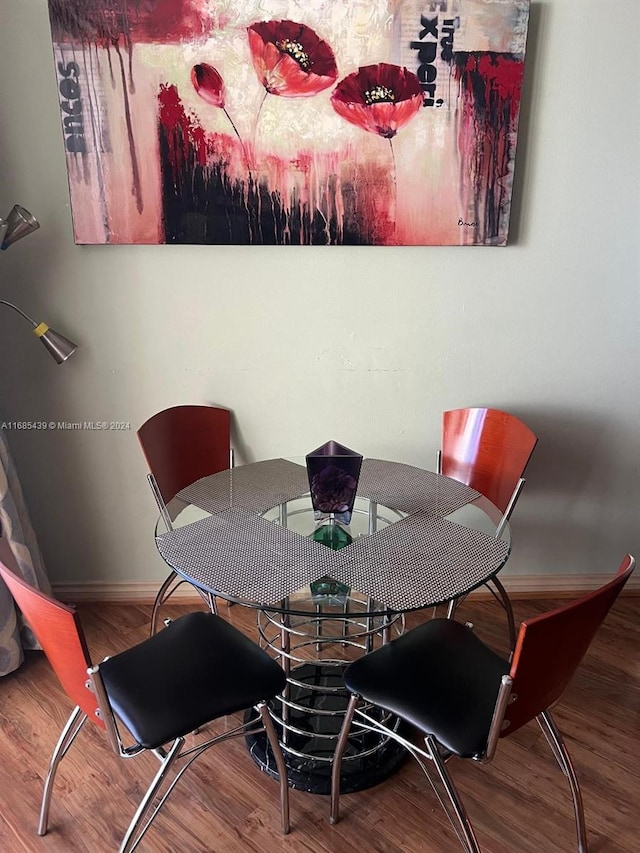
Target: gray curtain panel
{"points": [[16, 529]]}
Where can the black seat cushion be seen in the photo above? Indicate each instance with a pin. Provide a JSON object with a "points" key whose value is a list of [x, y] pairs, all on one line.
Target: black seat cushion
{"points": [[197, 669], [440, 678]]}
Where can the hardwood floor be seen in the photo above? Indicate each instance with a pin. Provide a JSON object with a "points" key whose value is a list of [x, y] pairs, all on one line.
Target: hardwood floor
{"points": [[520, 802]]}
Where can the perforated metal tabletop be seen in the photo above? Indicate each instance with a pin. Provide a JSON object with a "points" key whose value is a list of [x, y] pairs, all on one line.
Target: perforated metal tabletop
{"points": [[419, 560]]}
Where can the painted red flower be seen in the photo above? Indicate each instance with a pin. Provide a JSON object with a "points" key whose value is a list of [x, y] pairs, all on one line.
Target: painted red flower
{"points": [[290, 59], [208, 84], [378, 98]]}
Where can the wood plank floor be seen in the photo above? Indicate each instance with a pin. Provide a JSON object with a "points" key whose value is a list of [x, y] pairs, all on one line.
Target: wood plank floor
{"points": [[520, 802]]}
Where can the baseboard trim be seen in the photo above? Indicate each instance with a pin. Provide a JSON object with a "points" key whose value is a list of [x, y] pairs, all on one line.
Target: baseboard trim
{"points": [[123, 592], [518, 586]]}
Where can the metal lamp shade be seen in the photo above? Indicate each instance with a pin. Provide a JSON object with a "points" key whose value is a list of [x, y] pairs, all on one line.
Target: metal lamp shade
{"points": [[333, 471], [55, 343], [19, 223]]}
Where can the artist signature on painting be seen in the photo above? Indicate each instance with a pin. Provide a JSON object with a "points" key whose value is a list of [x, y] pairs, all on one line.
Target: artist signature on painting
{"points": [[474, 224]]}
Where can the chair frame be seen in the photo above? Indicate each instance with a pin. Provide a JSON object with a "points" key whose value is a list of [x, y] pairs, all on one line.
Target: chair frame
{"points": [[494, 585], [169, 585], [162, 498], [84, 684], [167, 756], [434, 757]]}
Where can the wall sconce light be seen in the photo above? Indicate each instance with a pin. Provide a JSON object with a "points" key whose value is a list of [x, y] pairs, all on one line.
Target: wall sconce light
{"points": [[55, 343], [17, 225]]}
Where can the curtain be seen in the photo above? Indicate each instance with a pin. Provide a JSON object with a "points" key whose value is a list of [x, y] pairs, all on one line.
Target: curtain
{"points": [[16, 528]]}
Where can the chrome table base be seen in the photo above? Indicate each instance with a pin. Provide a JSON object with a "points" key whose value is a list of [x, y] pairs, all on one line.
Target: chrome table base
{"points": [[314, 644]]}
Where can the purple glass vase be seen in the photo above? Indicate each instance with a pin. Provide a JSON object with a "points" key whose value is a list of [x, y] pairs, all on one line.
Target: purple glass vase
{"points": [[333, 472]]}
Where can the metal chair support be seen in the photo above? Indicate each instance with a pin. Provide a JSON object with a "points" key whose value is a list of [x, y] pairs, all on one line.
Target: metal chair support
{"points": [[181, 444], [147, 810], [148, 698], [509, 694], [455, 810], [67, 737], [498, 591], [169, 586], [488, 450], [561, 754]]}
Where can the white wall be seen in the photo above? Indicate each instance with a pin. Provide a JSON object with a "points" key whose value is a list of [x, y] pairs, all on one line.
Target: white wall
{"points": [[363, 345]]}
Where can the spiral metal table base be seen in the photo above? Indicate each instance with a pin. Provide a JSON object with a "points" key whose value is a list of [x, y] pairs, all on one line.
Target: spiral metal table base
{"points": [[369, 759]]}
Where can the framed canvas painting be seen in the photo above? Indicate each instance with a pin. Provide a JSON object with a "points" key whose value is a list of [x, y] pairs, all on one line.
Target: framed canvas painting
{"points": [[290, 122]]}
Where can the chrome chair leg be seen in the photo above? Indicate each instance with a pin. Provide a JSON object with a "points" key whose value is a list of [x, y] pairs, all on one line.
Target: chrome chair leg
{"points": [[452, 607], [461, 824], [500, 593], [67, 736], [272, 737], [211, 602], [132, 836], [561, 754], [169, 586], [506, 603], [336, 765]]}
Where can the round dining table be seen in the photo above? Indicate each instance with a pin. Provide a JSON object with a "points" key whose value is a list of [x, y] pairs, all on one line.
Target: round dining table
{"points": [[324, 592]]}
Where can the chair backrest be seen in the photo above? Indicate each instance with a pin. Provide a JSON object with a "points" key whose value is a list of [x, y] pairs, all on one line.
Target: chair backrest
{"points": [[184, 443], [551, 646], [59, 632], [487, 449]]}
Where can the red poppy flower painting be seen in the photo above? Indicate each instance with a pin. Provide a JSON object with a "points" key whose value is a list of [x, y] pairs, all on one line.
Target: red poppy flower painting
{"points": [[290, 59], [335, 122], [208, 84], [378, 98]]}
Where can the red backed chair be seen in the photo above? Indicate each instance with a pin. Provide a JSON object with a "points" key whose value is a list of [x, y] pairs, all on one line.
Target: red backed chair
{"points": [[462, 697], [181, 445], [488, 450], [198, 669]]}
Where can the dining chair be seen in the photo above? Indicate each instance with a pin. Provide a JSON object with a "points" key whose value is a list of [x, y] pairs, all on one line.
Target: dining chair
{"points": [[182, 444], [198, 669], [461, 696], [488, 450]]}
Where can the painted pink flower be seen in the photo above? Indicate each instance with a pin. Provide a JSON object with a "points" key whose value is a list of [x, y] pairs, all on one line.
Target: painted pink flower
{"points": [[378, 98], [208, 84], [290, 59]]}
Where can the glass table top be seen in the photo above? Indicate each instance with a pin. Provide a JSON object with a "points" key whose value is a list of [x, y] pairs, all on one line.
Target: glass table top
{"points": [[231, 537]]}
